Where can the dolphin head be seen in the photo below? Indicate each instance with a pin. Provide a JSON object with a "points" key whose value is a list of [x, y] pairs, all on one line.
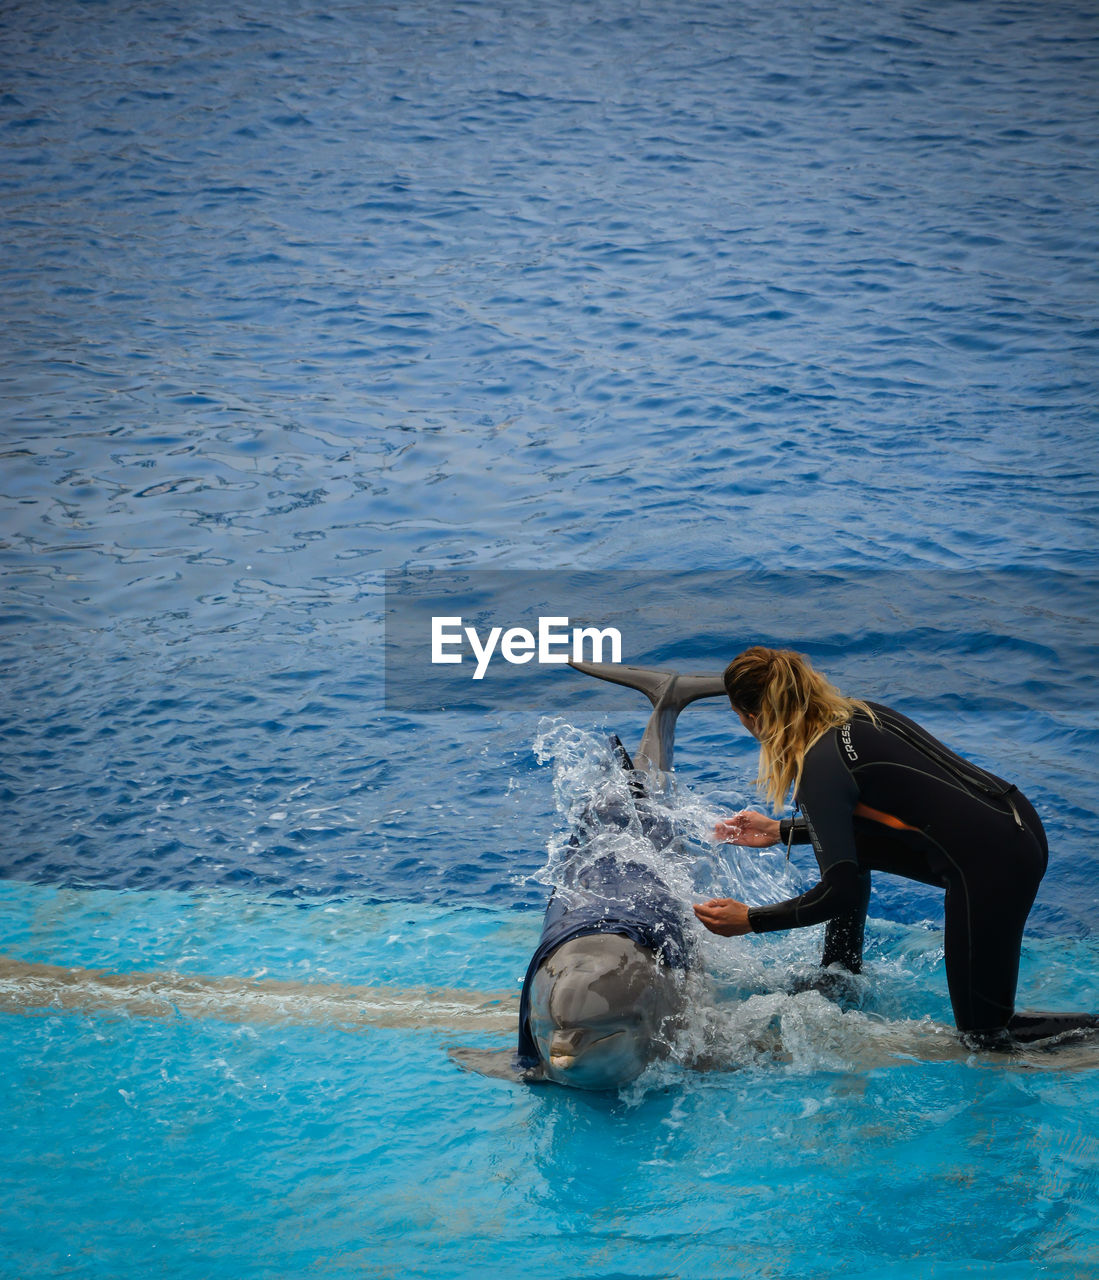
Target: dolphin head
{"points": [[598, 1005]]}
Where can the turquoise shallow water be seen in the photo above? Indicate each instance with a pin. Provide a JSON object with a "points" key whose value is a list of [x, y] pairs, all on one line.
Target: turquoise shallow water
{"points": [[205, 1146], [293, 296]]}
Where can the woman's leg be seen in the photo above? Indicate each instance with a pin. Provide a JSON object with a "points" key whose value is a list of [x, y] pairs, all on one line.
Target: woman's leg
{"points": [[985, 918], [843, 935], [986, 912]]}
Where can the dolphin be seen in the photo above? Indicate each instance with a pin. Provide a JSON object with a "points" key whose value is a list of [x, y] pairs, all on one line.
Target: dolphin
{"points": [[605, 985]]}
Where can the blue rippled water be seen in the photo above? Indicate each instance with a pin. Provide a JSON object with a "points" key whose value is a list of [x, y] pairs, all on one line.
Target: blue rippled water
{"points": [[297, 295]]}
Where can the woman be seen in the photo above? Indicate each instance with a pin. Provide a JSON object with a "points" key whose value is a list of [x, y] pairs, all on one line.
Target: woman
{"points": [[877, 792]]}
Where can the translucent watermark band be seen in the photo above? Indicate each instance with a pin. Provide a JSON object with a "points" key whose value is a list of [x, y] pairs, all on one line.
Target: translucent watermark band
{"points": [[483, 638]]}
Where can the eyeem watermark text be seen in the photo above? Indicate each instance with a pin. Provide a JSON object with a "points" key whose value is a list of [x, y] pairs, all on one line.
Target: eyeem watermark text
{"points": [[554, 641]]}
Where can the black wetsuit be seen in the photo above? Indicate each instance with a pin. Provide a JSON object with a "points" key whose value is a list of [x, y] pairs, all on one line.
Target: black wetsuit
{"points": [[976, 835]]}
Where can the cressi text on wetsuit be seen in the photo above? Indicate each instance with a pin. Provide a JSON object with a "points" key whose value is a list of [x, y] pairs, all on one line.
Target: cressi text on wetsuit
{"points": [[938, 819]]}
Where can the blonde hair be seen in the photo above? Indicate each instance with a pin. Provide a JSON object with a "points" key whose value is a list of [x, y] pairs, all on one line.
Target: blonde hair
{"points": [[793, 706]]}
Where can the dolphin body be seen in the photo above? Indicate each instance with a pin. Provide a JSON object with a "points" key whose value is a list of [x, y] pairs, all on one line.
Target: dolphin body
{"points": [[605, 984]]}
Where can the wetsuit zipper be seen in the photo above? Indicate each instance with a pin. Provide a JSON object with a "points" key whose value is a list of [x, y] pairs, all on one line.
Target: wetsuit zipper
{"points": [[790, 837]]}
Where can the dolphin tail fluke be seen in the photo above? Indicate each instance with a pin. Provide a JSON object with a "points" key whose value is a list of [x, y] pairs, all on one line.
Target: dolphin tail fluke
{"points": [[668, 691], [650, 680], [655, 682]]}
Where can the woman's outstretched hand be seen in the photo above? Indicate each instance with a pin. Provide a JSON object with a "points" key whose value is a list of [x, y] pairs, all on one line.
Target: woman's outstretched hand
{"points": [[753, 830], [725, 916]]}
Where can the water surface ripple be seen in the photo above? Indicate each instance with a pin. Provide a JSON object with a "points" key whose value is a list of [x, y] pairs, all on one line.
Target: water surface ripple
{"points": [[295, 294]]}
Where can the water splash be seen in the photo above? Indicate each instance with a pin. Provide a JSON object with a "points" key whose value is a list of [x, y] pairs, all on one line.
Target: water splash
{"points": [[675, 838], [755, 1003]]}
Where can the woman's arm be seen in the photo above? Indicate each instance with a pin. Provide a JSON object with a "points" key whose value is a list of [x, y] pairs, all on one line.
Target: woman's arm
{"points": [[748, 829], [842, 892], [724, 916], [753, 830], [838, 892], [828, 794]]}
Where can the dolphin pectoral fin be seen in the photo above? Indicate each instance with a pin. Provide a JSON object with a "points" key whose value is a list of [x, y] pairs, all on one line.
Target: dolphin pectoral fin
{"points": [[498, 1063], [834, 983]]}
